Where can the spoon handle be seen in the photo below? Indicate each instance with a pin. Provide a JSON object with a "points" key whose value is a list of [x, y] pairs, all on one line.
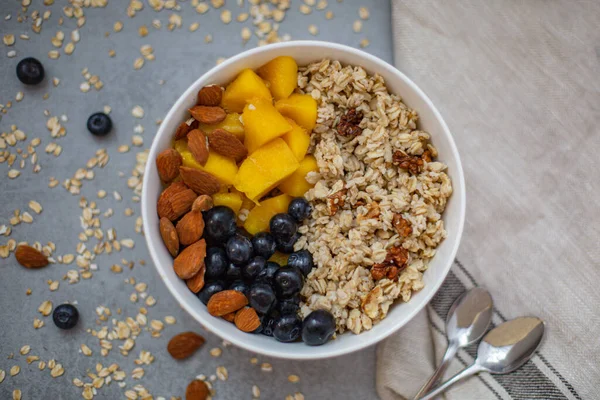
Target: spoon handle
{"points": [[439, 372], [465, 373]]}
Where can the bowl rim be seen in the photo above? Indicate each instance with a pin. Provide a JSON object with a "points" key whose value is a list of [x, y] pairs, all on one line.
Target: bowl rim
{"points": [[458, 188]]}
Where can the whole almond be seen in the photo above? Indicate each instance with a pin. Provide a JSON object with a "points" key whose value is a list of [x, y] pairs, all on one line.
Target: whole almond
{"points": [[227, 144], [210, 96], [169, 236], [229, 317], [197, 390], [167, 164], [247, 319], [199, 181], [208, 115], [175, 200], [226, 302], [184, 128], [203, 203], [196, 282], [197, 145], [29, 257], [190, 227], [184, 345], [189, 262]]}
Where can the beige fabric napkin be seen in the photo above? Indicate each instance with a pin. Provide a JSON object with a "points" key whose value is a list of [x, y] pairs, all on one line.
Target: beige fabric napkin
{"points": [[518, 83]]}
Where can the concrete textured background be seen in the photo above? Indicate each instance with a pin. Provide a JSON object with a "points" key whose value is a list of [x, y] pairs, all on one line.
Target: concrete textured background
{"points": [[181, 57]]}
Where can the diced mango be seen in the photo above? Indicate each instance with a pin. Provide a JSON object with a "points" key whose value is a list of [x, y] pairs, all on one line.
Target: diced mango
{"points": [[231, 124], [224, 168], [302, 108], [186, 155], [262, 170], [231, 200], [280, 258], [282, 75], [297, 139], [296, 184], [245, 87], [262, 123], [259, 217]]}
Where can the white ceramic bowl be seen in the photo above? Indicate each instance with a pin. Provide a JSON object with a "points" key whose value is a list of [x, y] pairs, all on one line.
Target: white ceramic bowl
{"points": [[305, 52]]}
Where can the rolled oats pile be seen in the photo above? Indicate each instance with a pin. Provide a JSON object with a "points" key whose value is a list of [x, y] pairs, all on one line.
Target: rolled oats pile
{"points": [[378, 197]]}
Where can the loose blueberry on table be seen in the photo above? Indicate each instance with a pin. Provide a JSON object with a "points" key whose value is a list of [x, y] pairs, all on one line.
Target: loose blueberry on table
{"points": [[65, 316], [99, 124], [30, 71]]}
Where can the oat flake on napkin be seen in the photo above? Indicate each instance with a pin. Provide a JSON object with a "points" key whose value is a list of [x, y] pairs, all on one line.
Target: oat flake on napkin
{"points": [[518, 83]]}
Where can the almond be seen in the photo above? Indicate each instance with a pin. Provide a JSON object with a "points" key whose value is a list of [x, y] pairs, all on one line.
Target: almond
{"points": [[175, 200], [197, 390], [226, 302], [190, 260], [208, 115], [202, 203], [227, 144], [210, 95], [229, 317], [197, 145], [200, 182], [169, 236], [247, 319], [184, 128], [190, 227], [167, 164], [196, 282], [29, 257], [184, 345]]}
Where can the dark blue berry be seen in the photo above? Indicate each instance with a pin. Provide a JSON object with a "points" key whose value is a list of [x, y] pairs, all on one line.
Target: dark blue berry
{"points": [[99, 124], [216, 263], [287, 281], [268, 323], [253, 268], [261, 297], [264, 244], [269, 271], [240, 286], [65, 316], [302, 260], [283, 227], [318, 327], [30, 71], [288, 307], [209, 289], [219, 225], [288, 246], [233, 272], [239, 249], [299, 209], [287, 328]]}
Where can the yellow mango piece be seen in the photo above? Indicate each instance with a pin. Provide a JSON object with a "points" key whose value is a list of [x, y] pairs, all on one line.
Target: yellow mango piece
{"points": [[280, 258], [259, 217], [244, 88], [296, 185], [302, 108], [224, 168], [262, 170], [231, 200], [231, 124], [282, 75], [262, 123], [297, 139], [186, 155]]}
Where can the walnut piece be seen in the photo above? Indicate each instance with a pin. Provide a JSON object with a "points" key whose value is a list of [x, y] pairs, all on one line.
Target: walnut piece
{"points": [[336, 201], [348, 125], [413, 164], [402, 226], [394, 263]]}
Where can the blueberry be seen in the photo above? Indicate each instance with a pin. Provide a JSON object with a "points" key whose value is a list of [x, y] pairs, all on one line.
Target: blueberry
{"points": [[268, 323], [299, 209], [264, 244], [283, 227], [233, 272], [240, 286], [318, 327], [239, 249], [215, 263], [209, 289], [288, 307], [287, 328], [287, 281], [99, 124], [30, 71], [261, 297], [65, 316], [254, 267], [302, 260], [288, 246], [219, 225], [269, 271]]}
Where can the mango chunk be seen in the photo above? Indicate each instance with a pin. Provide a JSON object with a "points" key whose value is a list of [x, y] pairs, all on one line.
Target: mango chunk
{"points": [[280, 258], [262, 170], [282, 75], [231, 124], [296, 184], [224, 168], [259, 217], [262, 123], [245, 87], [231, 200], [302, 108], [186, 155], [297, 139]]}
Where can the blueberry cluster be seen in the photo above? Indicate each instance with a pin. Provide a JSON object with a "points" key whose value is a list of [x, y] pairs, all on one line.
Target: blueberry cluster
{"points": [[236, 261]]}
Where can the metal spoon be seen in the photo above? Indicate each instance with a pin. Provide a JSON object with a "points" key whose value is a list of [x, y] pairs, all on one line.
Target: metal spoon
{"points": [[504, 349], [467, 321]]}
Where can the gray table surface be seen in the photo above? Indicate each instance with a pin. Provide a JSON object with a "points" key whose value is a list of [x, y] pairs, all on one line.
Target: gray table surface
{"points": [[181, 57]]}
